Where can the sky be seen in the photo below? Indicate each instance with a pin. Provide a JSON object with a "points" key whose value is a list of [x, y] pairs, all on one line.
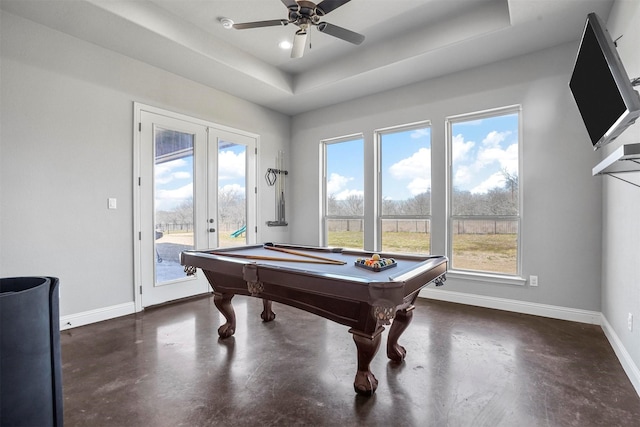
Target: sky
{"points": [[174, 179], [481, 150]]}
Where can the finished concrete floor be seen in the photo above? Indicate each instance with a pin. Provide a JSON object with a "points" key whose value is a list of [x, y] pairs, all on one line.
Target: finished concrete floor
{"points": [[465, 366]]}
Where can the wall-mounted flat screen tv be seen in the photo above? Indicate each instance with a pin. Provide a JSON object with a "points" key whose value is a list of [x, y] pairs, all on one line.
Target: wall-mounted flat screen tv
{"points": [[601, 87]]}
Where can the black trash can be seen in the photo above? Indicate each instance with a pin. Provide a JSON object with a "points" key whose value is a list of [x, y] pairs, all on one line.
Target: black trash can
{"points": [[30, 365]]}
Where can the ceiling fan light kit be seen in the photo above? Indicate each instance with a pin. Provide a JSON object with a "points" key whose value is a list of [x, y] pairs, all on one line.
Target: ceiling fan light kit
{"points": [[304, 14], [227, 23]]}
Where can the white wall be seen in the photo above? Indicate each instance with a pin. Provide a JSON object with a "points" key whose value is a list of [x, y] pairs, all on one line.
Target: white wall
{"points": [[621, 222], [67, 146], [561, 221]]}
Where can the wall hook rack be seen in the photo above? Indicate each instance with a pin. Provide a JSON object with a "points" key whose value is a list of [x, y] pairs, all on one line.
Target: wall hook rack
{"points": [[275, 177]]}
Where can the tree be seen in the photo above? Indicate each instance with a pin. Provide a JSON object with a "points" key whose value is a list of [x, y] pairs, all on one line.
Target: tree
{"points": [[511, 182], [353, 205], [231, 208]]}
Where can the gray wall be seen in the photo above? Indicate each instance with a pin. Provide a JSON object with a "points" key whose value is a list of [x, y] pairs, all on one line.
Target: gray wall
{"points": [[67, 146], [621, 204], [561, 218]]}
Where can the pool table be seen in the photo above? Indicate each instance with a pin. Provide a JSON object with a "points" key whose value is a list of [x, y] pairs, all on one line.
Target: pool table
{"points": [[336, 289]]}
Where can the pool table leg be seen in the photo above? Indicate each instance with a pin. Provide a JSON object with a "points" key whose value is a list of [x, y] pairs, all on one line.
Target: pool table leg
{"points": [[401, 321], [223, 302], [267, 314], [367, 345]]}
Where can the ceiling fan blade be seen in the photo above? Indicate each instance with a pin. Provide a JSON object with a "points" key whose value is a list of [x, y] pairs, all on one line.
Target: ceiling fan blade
{"points": [[291, 4], [341, 33], [327, 6], [299, 43], [259, 24]]}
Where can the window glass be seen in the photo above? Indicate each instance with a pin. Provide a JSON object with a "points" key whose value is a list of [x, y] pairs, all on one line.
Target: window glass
{"points": [[344, 193], [484, 193], [405, 188]]}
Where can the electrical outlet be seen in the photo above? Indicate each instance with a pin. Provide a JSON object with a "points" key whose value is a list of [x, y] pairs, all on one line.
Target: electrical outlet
{"points": [[630, 322], [112, 203], [533, 280]]}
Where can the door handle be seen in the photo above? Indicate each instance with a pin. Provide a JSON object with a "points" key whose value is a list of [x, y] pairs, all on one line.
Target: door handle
{"points": [[212, 230]]}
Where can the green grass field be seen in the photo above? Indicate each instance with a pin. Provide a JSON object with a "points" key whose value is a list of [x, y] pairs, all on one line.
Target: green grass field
{"points": [[479, 252], [482, 252]]}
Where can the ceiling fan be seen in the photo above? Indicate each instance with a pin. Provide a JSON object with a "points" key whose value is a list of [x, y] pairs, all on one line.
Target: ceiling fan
{"points": [[305, 14]]}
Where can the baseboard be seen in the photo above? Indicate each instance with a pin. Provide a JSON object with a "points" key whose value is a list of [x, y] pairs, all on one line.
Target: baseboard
{"points": [[630, 368], [544, 310], [536, 309], [98, 315]]}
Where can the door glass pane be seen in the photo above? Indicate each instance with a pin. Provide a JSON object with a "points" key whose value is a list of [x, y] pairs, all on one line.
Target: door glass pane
{"points": [[173, 196], [232, 194]]}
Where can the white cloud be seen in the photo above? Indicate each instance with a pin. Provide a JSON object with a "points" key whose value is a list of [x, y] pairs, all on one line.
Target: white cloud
{"points": [[419, 164], [166, 172], [420, 133], [495, 180], [182, 175], [232, 188], [463, 175], [345, 194], [337, 183], [494, 138], [490, 156], [231, 165], [416, 169], [167, 199], [460, 148], [491, 151], [419, 186]]}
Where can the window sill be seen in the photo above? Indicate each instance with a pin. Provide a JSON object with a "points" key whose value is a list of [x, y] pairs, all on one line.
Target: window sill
{"points": [[486, 277]]}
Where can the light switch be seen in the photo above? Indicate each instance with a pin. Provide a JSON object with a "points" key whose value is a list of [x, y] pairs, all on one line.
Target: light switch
{"points": [[113, 203]]}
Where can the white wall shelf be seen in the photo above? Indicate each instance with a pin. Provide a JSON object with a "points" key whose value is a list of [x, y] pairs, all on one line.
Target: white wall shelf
{"points": [[625, 158]]}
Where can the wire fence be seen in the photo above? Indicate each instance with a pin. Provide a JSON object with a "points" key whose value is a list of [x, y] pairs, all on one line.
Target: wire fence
{"points": [[174, 227], [471, 226], [475, 226], [187, 227]]}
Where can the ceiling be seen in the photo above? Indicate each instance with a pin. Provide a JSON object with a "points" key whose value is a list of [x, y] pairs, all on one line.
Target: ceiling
{"points": [[405, 41]]}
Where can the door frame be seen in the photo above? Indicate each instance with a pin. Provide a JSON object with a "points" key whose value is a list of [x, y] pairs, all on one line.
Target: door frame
{"points": [[138, 108]]}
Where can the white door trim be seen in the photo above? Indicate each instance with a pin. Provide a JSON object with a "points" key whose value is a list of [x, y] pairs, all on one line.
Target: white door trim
{"points": [[138, 108]]}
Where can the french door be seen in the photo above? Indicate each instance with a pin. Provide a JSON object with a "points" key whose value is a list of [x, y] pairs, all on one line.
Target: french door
{"points": [[195, 190]]}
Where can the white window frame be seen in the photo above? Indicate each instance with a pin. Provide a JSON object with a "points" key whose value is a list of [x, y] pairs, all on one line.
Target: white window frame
{"points": [[324, 232], [493, 277], [378, 134]]}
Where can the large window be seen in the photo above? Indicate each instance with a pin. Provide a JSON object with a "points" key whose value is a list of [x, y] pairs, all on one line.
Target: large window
{"points": [[344, 192], [404, 190], [484, 194]]}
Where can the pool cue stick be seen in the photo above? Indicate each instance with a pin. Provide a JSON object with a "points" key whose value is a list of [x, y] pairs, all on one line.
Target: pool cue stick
{"points": [[271, 258], [292, 252]]}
